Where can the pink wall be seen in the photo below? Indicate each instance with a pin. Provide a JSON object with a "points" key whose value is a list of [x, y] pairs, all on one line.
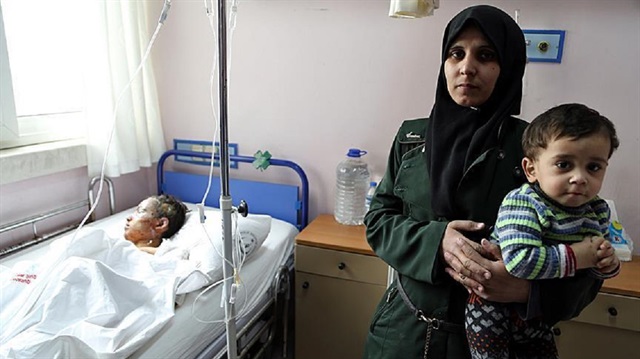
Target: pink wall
{"points": [[42, 194], [309, 79]]}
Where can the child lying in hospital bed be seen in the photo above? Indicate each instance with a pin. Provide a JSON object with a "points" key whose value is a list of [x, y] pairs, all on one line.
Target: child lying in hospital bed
{"points": [[93, 294], [155, 218]]}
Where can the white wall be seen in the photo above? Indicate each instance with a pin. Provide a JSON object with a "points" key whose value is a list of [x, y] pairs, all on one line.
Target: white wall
{"points": [[309, 79]]}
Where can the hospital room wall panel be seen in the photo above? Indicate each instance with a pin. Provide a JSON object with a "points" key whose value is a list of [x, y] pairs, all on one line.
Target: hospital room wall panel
{"points": [[43, 194], [310, 79]]}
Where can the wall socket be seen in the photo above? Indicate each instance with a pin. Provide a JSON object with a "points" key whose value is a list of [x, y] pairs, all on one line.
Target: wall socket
{"points": [[544, 45]]}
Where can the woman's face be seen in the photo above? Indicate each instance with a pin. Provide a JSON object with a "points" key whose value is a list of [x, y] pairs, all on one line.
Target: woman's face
{"points": [[471, 68]]}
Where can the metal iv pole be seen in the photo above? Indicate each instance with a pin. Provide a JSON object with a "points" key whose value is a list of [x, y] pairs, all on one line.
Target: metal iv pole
{"points": [[225, 196]]}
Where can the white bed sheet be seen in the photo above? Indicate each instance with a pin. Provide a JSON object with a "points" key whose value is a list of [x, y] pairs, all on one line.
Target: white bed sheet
{"points": [[184, 336]]}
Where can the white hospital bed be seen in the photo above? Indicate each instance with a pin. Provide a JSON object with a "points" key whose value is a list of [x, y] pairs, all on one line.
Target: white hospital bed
{"points": [[197, 328]]}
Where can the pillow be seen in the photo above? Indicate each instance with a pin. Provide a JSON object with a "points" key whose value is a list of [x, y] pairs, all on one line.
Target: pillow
{"points": [[201, 243]]}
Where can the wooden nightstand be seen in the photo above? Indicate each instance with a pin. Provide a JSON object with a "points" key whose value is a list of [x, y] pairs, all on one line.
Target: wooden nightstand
{"points": [[610, 326], [339, 282]]}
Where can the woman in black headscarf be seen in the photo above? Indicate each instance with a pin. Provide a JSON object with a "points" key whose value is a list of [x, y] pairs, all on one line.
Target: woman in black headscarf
{"points": [[444, 182]]}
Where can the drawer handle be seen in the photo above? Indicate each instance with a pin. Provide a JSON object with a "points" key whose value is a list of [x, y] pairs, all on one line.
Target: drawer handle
{"points": [[305, 285], [612, 311], [556, 331], [342, 266]]}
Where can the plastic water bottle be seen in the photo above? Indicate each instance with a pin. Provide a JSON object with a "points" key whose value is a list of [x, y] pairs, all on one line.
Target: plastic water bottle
{"points": [[370, 192], [352, 183]]}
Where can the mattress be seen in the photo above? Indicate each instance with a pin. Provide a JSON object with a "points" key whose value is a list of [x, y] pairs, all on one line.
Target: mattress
{"points": [[199, 319], [186, 335]]}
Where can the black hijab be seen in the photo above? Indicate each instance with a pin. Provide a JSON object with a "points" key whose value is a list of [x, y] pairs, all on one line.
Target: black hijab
{"points": [[457, 135]]}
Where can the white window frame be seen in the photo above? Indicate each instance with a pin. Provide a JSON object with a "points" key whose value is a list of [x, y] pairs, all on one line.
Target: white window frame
{"points": [[18, 131], [8, 120]]}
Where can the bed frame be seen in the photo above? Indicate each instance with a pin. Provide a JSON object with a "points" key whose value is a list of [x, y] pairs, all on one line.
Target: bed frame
{"points": [[258, 330], [33, 220], [286, 202]]}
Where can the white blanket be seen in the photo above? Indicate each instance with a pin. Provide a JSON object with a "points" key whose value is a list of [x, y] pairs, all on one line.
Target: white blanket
{"points": [[98, 297], [94, 294]]}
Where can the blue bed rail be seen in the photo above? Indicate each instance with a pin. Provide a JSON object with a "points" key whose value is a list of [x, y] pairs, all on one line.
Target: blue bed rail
{"points": [[285, 202]]}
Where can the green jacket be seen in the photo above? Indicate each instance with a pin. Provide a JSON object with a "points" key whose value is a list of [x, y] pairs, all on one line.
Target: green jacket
{"points": [[404, 232]]}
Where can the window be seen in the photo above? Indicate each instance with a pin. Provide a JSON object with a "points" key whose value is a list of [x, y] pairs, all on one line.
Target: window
{"points": [[41, 83]]}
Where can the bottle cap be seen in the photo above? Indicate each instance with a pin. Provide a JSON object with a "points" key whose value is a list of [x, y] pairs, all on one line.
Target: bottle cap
{"points": [[356, 152]]}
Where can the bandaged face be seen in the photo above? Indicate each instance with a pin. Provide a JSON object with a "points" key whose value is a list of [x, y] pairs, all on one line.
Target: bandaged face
{"points": [[141, 225]]}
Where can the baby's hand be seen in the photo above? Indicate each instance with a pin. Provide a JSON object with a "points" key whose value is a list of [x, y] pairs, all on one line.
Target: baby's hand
{"points": [[586, 252], [605, 250], [607, 259]]}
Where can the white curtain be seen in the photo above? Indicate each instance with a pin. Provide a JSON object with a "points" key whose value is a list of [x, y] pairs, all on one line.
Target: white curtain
{"points": [[112, 58]]}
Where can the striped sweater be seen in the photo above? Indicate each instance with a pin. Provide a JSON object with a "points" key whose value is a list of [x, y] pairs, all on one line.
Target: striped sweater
{"points": [[534, 233]]}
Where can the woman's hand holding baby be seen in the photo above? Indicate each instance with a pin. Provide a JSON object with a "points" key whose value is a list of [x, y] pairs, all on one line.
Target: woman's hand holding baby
{"points": [[479, 266]]}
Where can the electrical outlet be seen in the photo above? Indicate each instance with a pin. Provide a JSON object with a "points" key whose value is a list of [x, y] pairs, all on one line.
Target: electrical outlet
{"points": [[544, 45]]}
